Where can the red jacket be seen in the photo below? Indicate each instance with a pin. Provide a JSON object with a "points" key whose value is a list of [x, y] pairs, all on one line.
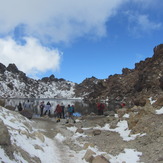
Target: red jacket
{"points": [[58, 109], [100, 106]]}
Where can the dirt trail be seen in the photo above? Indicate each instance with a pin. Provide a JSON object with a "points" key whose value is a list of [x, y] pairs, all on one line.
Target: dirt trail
{"points": [[110, 142], [50, 128]]}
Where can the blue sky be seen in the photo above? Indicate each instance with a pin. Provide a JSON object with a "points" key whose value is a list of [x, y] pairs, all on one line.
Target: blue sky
{"points": [[77, 39]]}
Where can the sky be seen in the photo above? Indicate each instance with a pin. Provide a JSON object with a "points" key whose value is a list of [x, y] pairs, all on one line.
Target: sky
{"points": [[77, 39]]}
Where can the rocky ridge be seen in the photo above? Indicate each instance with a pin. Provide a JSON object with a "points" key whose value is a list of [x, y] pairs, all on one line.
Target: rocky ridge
{"points": [[15, 84], [132, 87]]}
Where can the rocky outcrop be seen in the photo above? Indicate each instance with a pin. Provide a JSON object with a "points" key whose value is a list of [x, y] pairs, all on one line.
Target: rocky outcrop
{"points": [[133, 86], [15, 84]]}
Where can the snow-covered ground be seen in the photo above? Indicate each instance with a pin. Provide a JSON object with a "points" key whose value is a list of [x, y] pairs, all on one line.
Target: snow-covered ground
{"points": [[24, 135]]}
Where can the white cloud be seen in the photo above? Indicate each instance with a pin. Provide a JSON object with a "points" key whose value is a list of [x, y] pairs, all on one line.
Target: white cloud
{"points": [[58, 20], [140, 24], [145, 24], [148, 3], [31, 58]]}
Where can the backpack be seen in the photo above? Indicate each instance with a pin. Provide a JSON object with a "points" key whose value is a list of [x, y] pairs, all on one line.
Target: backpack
{"points": [[101, 106], [41, 106], [70, 109]]}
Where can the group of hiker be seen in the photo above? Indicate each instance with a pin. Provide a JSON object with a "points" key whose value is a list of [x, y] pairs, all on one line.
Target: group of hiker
{"points": [[59, 112]]}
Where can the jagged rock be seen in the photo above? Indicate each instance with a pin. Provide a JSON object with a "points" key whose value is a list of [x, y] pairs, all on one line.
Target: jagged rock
{"points": [[4, 134], [100, 159], [12, 68], [26, 113], [9, 107], [89, 155], [86, 145], [38, 135], [96, 132], [2, 68], [26, 87], [140, 102], [79, 130], [2, 102], [38, 147], [159, 102], [109, 113], [161, 82], [121, 112], [126, 71]]}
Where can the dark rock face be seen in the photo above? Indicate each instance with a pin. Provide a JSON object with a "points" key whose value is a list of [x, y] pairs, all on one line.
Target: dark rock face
{"points": [[26, 114], [51, 79], [4, 134], [2, 68], [12, 68]]}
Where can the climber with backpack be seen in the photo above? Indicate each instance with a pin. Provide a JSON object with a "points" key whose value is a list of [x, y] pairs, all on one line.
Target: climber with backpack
{"points": [[70, 111], [58, 112], [100, 108]]}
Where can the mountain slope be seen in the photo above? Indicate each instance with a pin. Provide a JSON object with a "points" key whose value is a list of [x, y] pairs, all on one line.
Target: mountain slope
{"points": [[133, 86], [15, 84]]}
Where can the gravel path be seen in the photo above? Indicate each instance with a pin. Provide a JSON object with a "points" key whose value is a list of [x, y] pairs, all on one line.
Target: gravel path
{"points": [[151, 145]]}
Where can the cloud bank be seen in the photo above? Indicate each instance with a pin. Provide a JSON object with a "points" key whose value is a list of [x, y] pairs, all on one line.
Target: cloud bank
{"points": [[57, 20], [43, 22], [31, 58]]}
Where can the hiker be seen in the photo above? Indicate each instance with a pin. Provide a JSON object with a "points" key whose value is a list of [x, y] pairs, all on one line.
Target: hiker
{"points": [[73, 108], [47, 107], [70, 110], [100, 108], [20, 108], [27, 105], [63, 111], [58, 112], [42, 105]]}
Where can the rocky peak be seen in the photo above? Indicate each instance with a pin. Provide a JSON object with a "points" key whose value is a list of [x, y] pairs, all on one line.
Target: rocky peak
{"points": [[133, 85], [52, 78], [12, 68], [2, 68]]}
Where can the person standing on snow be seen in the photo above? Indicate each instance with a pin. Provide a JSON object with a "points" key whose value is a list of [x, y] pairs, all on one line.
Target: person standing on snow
{"points": [[58, 112], [63, 111], [27, 105], [47, 107], [70, 111], [20, 108], [42, 105]]}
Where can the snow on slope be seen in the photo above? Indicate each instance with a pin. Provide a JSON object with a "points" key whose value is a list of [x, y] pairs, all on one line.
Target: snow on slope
{"points": [[13, 86]]}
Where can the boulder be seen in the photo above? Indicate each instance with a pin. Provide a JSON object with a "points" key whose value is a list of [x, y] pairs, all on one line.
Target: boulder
{"points": [[2, 102], [159, 102], [86, 145], [100, 159], [79, 130], [26, 113], [140, 102], [96, 132], [121, 112], [9, 107], [89, 155], [4, 134]]}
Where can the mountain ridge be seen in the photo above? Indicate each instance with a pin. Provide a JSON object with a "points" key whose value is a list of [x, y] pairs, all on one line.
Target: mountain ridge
{"points": [[132, 87]]}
